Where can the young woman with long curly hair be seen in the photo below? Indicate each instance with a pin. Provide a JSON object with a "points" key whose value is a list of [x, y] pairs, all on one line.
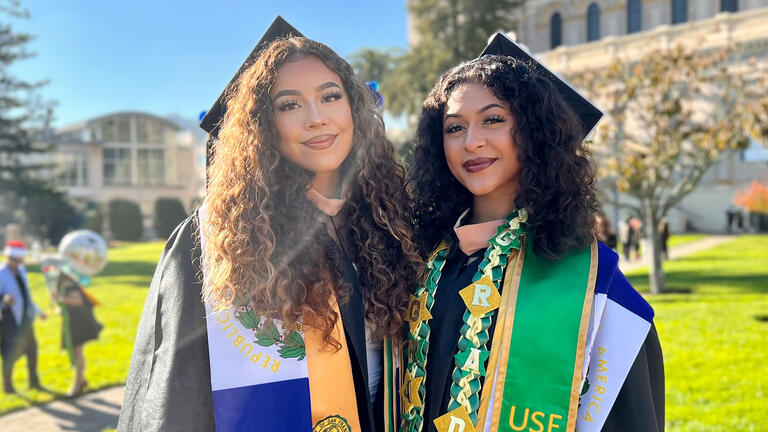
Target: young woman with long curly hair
{"points": [[302, 254], [508, 327]]}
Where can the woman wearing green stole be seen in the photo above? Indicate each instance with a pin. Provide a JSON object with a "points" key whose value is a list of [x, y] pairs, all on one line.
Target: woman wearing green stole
{"points": [[275, 307], [522, 321]]}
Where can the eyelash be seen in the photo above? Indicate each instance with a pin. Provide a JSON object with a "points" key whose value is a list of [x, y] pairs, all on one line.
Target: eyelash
{"points": [[493, 119], [288, 105], [291, 105], [332, 97]]}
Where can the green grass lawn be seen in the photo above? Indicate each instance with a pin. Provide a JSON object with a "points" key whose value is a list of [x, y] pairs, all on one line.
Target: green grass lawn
{"points": [[678, 239], [121, 288], [715, 338], [674, 240], [714, 341]]}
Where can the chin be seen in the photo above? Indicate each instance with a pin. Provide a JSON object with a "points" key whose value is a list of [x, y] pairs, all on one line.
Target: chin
{"points": [[480, 190], [322, 167]]}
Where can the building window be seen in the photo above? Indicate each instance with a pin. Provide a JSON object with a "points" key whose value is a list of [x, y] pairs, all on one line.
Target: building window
{"points": [[634, 16], [117, 166], [729, 5], [124, 129], [593, 22], [151, 167], [73, 170], [67, 175], [142, 130], [679, 11], [108, 130], [555, 30]]}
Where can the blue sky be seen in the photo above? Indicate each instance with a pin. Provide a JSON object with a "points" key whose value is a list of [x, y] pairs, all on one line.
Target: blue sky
{"points": [[173, 56]]}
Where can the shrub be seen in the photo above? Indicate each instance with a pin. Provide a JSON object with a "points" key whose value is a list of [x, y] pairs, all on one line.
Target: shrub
{"points": [[125, 220], [168, 213], [93, 217]]}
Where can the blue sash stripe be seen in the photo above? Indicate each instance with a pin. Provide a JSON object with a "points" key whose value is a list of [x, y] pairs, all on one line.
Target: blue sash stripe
{"points": [[607, 265], [277, 406], [611, 281], [622, 293]]}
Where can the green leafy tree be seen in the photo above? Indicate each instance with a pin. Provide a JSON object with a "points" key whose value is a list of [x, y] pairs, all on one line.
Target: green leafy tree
{"points": [[373, 64], [23, 116], [47, 214], [447, 33], [669, 117], [24, 196]]}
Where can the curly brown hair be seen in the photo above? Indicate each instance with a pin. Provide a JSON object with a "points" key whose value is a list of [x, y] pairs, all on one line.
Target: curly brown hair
{"points": [[557, 180], [266, 243]]}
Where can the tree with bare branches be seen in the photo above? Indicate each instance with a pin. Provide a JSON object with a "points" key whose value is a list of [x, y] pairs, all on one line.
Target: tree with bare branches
{"points": [[669, 117]]}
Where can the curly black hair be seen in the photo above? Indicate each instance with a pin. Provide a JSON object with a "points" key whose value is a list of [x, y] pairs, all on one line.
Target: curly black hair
{"points": [[557, 179]]}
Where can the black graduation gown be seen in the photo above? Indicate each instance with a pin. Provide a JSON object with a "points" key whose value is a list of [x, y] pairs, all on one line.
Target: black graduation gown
{"points": [[638, 407], [169, 382]]}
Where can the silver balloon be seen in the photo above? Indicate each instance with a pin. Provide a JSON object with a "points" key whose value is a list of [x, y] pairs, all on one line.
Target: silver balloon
{"points": [[84, 251]]}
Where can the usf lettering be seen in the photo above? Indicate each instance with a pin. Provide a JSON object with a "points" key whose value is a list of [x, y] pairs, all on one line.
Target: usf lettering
{"points": [[534, 421]]}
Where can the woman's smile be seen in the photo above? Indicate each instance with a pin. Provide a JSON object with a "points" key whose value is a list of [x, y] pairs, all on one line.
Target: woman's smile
{"points": [[478, 164], [320, 142]]}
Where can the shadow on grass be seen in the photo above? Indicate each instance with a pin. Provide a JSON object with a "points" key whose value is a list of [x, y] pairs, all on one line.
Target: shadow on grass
{"points": [[129, 268], [85, 417], [689, 281]]}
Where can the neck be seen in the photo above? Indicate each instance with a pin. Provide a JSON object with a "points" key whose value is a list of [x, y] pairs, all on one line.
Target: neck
{"points": [[327, 183], [495, 205]]}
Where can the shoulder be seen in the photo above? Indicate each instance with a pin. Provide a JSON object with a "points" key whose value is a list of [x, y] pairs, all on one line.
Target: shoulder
{"points": [[5, 275], [184, 240]]}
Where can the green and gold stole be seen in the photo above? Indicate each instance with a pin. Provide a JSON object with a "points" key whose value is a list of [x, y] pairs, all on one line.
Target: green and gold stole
{"points": [[534, 369]]}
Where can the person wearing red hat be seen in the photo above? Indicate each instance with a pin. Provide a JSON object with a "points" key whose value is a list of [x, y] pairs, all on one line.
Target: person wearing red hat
{"points": [[17, 313]]}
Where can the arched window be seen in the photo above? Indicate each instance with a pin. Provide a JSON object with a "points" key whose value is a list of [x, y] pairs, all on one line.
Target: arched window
{"points": [[679, 11], [555, 30], [729, 5], [634, 16], [593, 22]]}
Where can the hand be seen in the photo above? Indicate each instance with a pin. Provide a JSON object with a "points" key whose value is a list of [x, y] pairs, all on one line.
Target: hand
{"points": [[43, 315], [8, 300]]}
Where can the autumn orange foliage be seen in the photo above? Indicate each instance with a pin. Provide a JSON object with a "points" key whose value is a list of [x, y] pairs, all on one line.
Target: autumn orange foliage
{"points": [[754, 198]]}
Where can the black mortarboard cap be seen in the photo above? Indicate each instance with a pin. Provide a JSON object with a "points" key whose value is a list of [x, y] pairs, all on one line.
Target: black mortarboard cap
{"points": [[588, 113], [280, 28]]}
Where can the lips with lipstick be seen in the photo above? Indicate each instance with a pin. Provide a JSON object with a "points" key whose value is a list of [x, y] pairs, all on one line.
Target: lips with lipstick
{"points": [[478, 164], [320, 142]]}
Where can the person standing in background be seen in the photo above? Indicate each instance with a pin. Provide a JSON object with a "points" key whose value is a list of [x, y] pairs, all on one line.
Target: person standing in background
{"points": [[664, 236], [625, 237], [17, 314]]}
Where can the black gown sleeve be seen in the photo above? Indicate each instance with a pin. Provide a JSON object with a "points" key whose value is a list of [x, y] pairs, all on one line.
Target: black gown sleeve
{"points": [[169, 384], [639, 406]]}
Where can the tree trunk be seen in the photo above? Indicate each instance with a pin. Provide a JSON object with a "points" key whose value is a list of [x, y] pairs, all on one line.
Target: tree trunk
{"points": [[653, 245]]}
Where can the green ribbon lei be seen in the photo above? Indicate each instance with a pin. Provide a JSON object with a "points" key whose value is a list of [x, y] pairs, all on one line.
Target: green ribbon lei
{"points": [[473, 337]]}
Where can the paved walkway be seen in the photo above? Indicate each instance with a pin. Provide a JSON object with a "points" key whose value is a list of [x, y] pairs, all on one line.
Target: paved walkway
{"points": [[680, 251], [92, 412], [99, 410]]}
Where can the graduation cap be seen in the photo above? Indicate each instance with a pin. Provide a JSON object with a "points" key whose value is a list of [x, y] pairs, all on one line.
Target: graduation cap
{"points": [[211, 122], [588, 113]]}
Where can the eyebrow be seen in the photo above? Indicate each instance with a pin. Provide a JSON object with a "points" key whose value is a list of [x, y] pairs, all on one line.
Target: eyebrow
{"points": [[481, 110], [321, 87]]}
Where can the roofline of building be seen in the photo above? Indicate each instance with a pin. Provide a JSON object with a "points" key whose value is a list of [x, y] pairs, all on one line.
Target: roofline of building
{"points": [[82, 124]]}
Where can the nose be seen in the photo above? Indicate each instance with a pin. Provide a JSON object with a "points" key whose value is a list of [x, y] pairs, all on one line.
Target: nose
{"points": [[474, 139], [315, 118]]}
